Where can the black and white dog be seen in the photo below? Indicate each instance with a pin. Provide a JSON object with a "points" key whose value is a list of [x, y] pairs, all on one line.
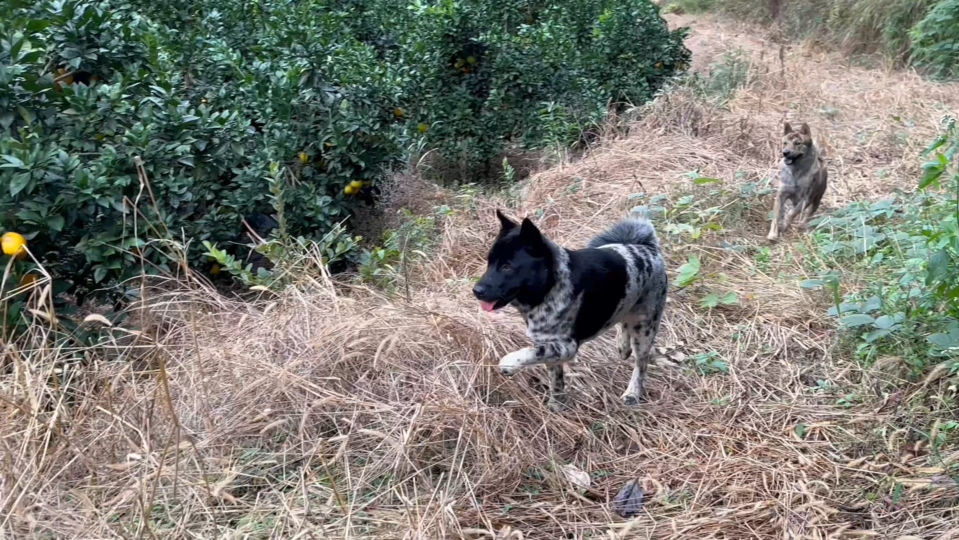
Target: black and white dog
{"points": [[568, 297]]}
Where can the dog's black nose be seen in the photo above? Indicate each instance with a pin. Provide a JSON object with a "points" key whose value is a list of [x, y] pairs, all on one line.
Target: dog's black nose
{"points": [[479, 291], [785, 153]]}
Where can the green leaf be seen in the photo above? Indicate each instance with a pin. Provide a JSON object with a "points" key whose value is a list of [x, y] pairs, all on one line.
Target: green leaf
{"points": [[12, 162], [688, 272], [56, 222], [801, 430], [710, 301], [944, 341], [19, 183], [931, 173], [811, 284], [853, 321], [940, 140], [99, 273], [729, 299], [702, 181], [885, 322], [870, 305], [939, 267]]}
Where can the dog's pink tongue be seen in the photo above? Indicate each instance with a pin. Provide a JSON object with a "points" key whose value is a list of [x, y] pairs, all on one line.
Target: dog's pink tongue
{"points": [[487, 306]]}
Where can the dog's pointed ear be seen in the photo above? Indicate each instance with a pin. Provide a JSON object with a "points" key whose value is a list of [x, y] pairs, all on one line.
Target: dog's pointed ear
{"points": [[506, 224], [804, 129], [532, 238], [787, 128]]}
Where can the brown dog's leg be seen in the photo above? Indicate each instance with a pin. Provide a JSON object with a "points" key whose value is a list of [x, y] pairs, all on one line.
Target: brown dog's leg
{"points": [[791, 215], [777, 215]]}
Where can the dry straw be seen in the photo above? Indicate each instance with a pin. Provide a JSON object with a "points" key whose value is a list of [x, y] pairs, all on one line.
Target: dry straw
{"points": [[329, 411]]}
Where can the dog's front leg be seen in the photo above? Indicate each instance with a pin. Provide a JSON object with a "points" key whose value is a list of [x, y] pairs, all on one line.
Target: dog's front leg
{"points": [[552, 352], [777, 215]]}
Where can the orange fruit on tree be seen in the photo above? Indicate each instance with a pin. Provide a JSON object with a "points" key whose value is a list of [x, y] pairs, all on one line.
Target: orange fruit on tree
{"points": [[28, 279], [422, 128], [13, 244]]}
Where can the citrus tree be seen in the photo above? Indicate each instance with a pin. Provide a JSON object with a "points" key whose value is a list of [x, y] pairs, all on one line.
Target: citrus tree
{"points": [[129, 126]]}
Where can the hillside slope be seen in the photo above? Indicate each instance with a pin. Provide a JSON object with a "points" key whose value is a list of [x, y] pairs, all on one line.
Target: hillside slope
{"points": [[334, 412]]}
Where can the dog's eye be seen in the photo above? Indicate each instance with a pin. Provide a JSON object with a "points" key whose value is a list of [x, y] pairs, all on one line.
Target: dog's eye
{"points": [[506, 268]]}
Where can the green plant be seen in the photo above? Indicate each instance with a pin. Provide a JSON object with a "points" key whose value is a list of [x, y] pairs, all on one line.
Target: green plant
{"points": [[905, 251], [385, 265], [710, 363], [487, 74], [130, 129], [857, 26], [207, 95], [688, 272], [725, 77], [935, 40], [714, 299]]}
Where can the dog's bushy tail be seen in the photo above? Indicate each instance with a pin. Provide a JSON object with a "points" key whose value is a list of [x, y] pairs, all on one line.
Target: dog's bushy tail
{"points": [[634, 231]]}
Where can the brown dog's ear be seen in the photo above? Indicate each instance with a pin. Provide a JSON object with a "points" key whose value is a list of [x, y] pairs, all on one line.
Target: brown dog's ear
{"points": [[506, 224], [804, 129], [532, 238], [787, 128]]}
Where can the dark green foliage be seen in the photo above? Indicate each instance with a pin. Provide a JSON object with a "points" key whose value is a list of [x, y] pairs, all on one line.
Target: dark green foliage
{"points": [[210, 93], [936, 40], [207, 115], [484, 74]]}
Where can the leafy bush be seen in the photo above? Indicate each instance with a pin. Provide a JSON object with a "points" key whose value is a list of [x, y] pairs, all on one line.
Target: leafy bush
{"points": [[936, 40], [86, 86], [907, 252], [484, 74], [215, 97], [725, 77]]}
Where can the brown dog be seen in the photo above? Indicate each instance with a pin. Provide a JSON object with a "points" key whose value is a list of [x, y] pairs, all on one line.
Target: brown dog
{"points": [[802, 179]]}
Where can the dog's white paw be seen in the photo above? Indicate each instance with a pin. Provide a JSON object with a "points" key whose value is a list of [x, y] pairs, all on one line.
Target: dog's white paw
{"points": [[511, 364], [772, 237], [631, 399]]}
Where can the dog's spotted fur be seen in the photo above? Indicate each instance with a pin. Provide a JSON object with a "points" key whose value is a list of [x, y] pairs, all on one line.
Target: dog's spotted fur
{"points": [[568, 297], [802, 180]]}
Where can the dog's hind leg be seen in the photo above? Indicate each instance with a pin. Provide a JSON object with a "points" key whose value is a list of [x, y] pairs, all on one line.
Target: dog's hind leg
{"points": [[810, 209], [557, 387], [643, 327], [793, 212], [624, 341]]}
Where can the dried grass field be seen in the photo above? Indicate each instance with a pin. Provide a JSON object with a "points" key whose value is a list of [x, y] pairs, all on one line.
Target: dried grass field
{"points": [[336, 411]]}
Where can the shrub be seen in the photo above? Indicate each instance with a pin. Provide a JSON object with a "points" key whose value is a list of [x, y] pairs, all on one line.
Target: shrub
{"points": [[936, 40], [485, 73], [907, 250], [208, 104], [208, 94]]}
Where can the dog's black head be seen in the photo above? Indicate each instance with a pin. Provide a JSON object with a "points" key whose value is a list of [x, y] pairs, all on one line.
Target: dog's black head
{"points": [[796, 144], [519, 266]]}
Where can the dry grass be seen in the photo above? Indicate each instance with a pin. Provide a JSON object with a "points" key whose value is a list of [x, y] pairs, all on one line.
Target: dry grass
{"points": [[329, 411]]}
